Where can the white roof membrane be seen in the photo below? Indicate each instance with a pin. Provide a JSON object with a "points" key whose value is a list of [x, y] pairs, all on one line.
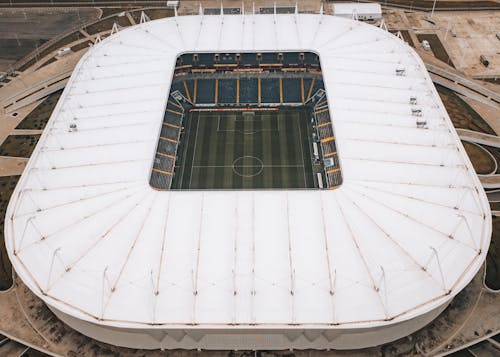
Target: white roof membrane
{"points": [[407, 230]]}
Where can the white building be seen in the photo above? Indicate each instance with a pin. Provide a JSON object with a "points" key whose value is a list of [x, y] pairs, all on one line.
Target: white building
{"points": [[361, 11], [367, 263]]}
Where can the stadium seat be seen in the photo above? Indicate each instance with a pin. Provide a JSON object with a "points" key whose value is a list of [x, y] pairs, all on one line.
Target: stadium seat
{"points": [[291, 90], [311, 59], [227, 91], [170, 132], [325, 130], [249, 59], [206, 60], [205, 91], [248, 91], [291, 59], [269, 58], [160, 180], [318, 84], [270, 91], [333, 178]]}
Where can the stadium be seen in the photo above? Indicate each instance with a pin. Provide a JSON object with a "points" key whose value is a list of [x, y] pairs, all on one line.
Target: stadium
{"points": [[248, 182]]}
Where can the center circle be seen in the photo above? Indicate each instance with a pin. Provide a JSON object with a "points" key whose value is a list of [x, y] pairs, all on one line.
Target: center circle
{"points": [[248, 166]]}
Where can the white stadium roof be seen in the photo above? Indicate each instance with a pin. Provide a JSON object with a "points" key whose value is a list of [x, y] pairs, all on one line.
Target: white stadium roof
{"points": [[406, 231]]}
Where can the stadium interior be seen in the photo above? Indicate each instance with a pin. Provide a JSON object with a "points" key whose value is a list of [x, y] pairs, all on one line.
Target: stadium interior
{"points": [[247, 121]]}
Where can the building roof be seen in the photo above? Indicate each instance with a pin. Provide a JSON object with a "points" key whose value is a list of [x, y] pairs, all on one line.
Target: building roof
{"points": [[407, 230], [360, 8]]}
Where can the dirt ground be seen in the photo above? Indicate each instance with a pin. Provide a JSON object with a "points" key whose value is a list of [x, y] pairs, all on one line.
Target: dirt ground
{"points": [[38, 118], [493, 257], [19, 145], [7, 185], [482, 162], [23, 30], [461, 114]]}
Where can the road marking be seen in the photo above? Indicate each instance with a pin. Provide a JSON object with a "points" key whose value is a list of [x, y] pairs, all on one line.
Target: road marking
{"points": [[223, 166], [302, 153], [194, 150], [185, 154]]}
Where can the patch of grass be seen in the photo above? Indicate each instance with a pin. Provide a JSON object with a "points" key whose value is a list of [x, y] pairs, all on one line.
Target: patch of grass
{"points": [[461, 114], [37, 119], [19, 145], [493, 258], [7, 185], [228, 150]]}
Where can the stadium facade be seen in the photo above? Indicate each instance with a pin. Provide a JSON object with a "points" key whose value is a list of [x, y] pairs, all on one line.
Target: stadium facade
{"points": [[366, 263]]}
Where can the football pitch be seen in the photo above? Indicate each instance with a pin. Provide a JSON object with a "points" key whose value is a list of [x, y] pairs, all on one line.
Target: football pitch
{"points": [[245, 150]]}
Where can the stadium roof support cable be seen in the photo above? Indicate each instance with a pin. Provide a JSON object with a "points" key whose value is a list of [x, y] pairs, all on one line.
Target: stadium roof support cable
{"points": [[163, 247], [454, 208], [434, 254], [144, 18], [154, 290], [106, 288], [331, 279], [101, 237], [290, 261], [196, 268], [138, 234], [235, 260], [55, 254], [393, 240], [115, 28], [219, 37], [383, 25], [253, 291], [418, 221], [360, 253]]}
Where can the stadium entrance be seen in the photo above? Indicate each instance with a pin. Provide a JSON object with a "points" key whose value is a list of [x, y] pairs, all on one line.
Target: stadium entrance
{"points": [[247, 121]]}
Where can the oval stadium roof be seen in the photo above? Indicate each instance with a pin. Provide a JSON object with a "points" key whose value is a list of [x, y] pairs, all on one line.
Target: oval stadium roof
{"points": [[406, 231]]}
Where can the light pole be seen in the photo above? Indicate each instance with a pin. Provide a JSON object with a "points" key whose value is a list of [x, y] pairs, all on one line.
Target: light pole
{"points": [[433, 7], [448, 28]]}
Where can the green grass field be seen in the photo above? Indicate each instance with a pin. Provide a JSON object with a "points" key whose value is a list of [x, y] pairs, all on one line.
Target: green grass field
{"points": [[231, 150]]}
